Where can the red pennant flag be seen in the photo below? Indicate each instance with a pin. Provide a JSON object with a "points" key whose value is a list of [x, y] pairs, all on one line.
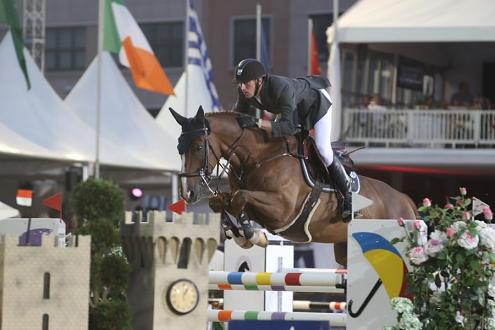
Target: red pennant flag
{"points": [[314, 61], [178, 207], [54, 202]]}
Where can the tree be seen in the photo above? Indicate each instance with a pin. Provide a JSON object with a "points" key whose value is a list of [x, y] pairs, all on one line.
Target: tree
{"points": [[99, 207]]}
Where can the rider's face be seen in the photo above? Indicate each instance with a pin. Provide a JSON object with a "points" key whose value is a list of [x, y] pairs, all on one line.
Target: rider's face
{"points": [[248, 88]]}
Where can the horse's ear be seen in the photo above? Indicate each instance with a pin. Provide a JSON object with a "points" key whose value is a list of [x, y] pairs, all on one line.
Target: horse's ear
{"points": [[200, 114], [178, 118]]}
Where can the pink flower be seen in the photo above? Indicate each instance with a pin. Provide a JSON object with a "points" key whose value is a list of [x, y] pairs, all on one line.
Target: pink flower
{"points": [[417, 224], [449, 206], [468, 241], [418, 255], [426, 202], [487, 213], [401, 222], [450, 232], [462, 191], [466, 215]]}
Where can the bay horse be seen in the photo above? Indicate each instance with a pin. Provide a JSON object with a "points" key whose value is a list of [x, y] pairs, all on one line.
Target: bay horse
{"points": [[267, 183]]}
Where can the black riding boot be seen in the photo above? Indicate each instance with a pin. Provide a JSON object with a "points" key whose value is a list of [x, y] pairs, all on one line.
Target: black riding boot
{"points": [[338, 175]]}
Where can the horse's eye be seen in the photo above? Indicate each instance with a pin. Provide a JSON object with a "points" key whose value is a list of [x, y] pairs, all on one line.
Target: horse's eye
{"points": [[199, 147]]}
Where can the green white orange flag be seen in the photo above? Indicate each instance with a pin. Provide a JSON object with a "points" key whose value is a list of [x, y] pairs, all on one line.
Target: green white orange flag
{"points": [[8, 15], [122, 35]]}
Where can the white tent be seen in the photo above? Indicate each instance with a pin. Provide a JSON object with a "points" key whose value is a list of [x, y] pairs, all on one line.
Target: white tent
{"points": [[123, 119], [36, 123], [7, 211], [373, 21], [198, 95]]}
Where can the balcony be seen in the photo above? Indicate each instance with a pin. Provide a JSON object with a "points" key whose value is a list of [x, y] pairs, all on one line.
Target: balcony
{"points": [[420, 128], [455, 139]]}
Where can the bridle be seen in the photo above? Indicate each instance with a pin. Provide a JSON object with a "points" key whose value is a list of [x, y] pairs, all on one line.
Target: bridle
{"points": [[204, 172]]}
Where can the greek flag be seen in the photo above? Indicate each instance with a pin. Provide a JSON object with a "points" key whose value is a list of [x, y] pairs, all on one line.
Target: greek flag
{"points": [[197, 54]]}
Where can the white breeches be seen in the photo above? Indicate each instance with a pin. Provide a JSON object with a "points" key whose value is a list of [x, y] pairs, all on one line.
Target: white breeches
{"points": [[323, 129]]}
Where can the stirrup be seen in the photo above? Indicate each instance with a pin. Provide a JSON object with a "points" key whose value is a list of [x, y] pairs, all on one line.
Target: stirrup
{"points": [[346, 216]]}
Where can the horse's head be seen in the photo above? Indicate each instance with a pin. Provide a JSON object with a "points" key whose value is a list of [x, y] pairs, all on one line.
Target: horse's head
{"points": [[196, 154]]}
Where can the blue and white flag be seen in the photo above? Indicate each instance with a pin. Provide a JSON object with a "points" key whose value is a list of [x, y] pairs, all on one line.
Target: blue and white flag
{"points": [[197, 54]]}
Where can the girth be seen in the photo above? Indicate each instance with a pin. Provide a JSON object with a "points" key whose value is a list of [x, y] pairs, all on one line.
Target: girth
{"points": [[298, 229]]}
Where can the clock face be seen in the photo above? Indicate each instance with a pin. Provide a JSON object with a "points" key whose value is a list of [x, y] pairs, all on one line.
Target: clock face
{"points": [[182, 296]]}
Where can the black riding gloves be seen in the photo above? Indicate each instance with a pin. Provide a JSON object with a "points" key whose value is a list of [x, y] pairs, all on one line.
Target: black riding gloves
{"points": [[247, 121]]}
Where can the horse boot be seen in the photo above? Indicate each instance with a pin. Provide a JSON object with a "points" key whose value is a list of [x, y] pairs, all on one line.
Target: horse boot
{"points": [[338, 174]]}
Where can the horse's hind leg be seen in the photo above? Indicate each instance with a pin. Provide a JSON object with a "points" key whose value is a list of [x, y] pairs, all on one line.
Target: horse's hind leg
{"points": [[340, 251]]}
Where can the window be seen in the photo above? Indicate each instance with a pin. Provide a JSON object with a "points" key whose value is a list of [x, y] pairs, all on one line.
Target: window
{"points": [[45, 322], [245, 40], [65, 49], [167, 42], [46, 286]]}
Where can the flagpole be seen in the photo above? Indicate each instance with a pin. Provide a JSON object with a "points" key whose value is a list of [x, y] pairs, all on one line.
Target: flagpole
{"points": [[258, 44], [101, 8], [310, 30], [186, 58], [258, 32]]}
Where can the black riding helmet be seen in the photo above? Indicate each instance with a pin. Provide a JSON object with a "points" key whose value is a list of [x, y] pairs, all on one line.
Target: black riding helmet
{"points": [[248, 69]]}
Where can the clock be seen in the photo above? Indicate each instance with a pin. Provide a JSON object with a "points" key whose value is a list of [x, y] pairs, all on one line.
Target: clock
{"points": [[182, 296]]}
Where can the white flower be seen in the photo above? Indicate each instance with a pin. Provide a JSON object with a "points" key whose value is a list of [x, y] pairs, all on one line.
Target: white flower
{"points": [[459, 226], [402, 305], [480, 224], [418, 255], [410, 322], [436, 243], [490, 324], [487, 237], [468, 241], [422, 231], [459, 318], [491, 290], [433, 246]]}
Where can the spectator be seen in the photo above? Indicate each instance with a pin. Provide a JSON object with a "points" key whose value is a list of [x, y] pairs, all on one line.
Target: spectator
{"points": [[375, 103], [462, 97]]}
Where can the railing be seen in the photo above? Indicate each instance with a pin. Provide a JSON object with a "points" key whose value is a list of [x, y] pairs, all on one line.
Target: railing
{"points": [[414, 128]]}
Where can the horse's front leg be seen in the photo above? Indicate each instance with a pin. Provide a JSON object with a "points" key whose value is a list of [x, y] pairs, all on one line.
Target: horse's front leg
{"points": [[260, 201]]}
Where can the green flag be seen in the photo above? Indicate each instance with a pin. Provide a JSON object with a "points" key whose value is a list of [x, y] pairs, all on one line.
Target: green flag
{"points": [[8, 15], [111, 39]]}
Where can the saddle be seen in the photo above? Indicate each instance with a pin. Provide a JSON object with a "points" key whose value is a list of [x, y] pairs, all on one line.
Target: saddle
{"points": [[303, 146]]}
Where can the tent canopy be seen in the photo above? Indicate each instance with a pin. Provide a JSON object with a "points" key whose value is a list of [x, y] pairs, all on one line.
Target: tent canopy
{"points": [[124, 120], [373, 21]]}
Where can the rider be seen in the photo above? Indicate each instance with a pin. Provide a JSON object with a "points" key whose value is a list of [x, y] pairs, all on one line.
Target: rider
{"points": [[298, 101]]}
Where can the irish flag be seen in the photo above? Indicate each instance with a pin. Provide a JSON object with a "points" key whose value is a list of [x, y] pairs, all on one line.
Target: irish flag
{"points": [[122, 35]]}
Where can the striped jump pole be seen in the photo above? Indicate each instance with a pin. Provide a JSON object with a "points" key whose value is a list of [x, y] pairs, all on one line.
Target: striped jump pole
{"points": [[314, 270], [335, 319], [241, 287], [301, 305], [276, 279], [306, 305]]}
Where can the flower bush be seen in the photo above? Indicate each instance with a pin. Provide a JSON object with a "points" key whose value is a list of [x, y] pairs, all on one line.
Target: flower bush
{"points": [[451, 269]]}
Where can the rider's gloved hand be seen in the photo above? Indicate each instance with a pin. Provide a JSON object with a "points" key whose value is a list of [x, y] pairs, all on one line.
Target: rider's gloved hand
{"points": [[247, 121]]}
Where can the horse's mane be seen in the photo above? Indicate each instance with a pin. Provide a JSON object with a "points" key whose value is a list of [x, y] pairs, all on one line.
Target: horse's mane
{"points": [[232, 116], [222, 114]]}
